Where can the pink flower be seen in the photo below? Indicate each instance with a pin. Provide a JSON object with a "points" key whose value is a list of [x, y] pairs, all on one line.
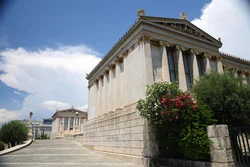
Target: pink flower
{"points": [[163, 112], [164, 99], [195, 106], [176, 118], [186, 93]]}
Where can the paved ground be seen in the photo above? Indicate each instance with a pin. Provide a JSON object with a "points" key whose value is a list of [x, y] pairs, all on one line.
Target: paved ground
{"points": [[59, 153]]}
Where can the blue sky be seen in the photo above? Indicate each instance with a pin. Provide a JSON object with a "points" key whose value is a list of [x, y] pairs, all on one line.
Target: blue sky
{"points": [[46, 47]]}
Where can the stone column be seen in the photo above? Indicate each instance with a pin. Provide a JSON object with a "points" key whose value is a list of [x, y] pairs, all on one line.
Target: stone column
{"points": [[247, 74], [165, 68], [181, 71], [194, 64], [117, 96], [124, 100], [219, 65], [100, 96], [114, 89], [106, 97], [243, 75], [148, 60], [221, 151], [89, 99], [110, 94], [68, 122], [207, 62]]}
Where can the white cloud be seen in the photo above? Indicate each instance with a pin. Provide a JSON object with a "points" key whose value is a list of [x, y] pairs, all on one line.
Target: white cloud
{"points": [[6, 116], [54, 78], [230, 20], [53, 105], [18, 93], [83, 108]]}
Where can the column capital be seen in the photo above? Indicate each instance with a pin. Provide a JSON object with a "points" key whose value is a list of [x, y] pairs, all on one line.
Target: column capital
{"points": [[125, 53], [194, 51], [144, 38], [219, 58], [180, 47], [111, 66], [106, 72], [101, 76], [164, 43], [207, 55]]}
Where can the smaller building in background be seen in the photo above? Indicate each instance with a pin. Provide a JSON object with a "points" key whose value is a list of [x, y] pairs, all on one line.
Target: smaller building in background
{"points": [[67, 123], [40, 127]]}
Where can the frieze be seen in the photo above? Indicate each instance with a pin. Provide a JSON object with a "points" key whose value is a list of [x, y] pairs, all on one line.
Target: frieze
{"points": [[184, 28]]}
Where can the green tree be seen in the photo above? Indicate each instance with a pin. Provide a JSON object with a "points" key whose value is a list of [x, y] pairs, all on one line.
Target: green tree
{"points": [[1, 146], [226, 95], [13, 132]]}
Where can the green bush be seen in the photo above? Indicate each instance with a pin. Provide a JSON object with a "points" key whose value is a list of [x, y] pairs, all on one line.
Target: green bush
{"points": [[1, 146], [226, 95], [13, 132], [43, 136], [183, 121]]}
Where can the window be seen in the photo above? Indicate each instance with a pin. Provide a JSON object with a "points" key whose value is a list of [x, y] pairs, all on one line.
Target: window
{"points": [[171, 65], [188, 73], [200, 63], [213, 65], [66, 123], [71, 123]]}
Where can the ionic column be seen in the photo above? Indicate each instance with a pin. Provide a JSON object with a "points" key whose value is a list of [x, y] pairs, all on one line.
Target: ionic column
{"points": [[106, 100], [94, 104], [247, 74], [68, 122], [181, 71], [235, 71], [195, 69], [97, 110], [165, 68], [100, 97], [118, 95], [110, 94], [62, 125], [219, 64], [207, 62], [243, 76], [148, 60], [124, 100]]}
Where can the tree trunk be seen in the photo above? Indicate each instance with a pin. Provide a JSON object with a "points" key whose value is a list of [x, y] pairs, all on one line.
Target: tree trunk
{"points": [[13, 144]]}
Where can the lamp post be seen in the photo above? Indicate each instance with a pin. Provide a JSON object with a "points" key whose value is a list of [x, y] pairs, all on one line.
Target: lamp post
{"points": [[30, 135]]}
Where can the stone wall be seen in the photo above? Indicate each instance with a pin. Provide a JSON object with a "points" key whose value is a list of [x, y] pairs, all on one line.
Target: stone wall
{"points": [[123, 131], [221, 151]]}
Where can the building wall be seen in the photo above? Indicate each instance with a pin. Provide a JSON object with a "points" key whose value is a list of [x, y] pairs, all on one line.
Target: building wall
{"points": [[123, 132]]}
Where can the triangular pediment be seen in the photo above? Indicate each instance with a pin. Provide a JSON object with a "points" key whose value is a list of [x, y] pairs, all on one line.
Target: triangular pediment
{"points": [[183, 26]]}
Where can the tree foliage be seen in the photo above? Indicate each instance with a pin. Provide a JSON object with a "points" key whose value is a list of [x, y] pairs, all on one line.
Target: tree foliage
{"points": [[13, 132], [1, 146], [184, 121], [226, 95]]}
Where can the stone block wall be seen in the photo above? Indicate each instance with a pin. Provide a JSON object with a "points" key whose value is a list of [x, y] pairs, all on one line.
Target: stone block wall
{"points": [[221, 151], [123, 131]]}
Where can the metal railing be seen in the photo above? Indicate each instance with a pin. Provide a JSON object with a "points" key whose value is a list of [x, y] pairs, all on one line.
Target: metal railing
{"points": [[240, 140]]}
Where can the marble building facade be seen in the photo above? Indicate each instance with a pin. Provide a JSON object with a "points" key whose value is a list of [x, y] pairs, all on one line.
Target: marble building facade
{"points": [[67, 123], [153, 49]]}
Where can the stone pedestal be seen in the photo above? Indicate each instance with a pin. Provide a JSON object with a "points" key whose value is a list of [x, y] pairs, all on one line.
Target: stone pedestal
{"points": [[221, 151]]}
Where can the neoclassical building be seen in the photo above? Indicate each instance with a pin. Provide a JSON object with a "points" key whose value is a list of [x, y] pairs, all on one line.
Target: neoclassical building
{"points": [[66, 123], [153, 49]]}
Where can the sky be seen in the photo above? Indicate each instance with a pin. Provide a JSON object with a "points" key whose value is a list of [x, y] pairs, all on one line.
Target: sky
{"points": [[47, 47]]}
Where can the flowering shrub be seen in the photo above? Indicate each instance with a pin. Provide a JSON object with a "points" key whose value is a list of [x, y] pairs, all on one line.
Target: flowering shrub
{"points": [[174, 105], [181, 119]]}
